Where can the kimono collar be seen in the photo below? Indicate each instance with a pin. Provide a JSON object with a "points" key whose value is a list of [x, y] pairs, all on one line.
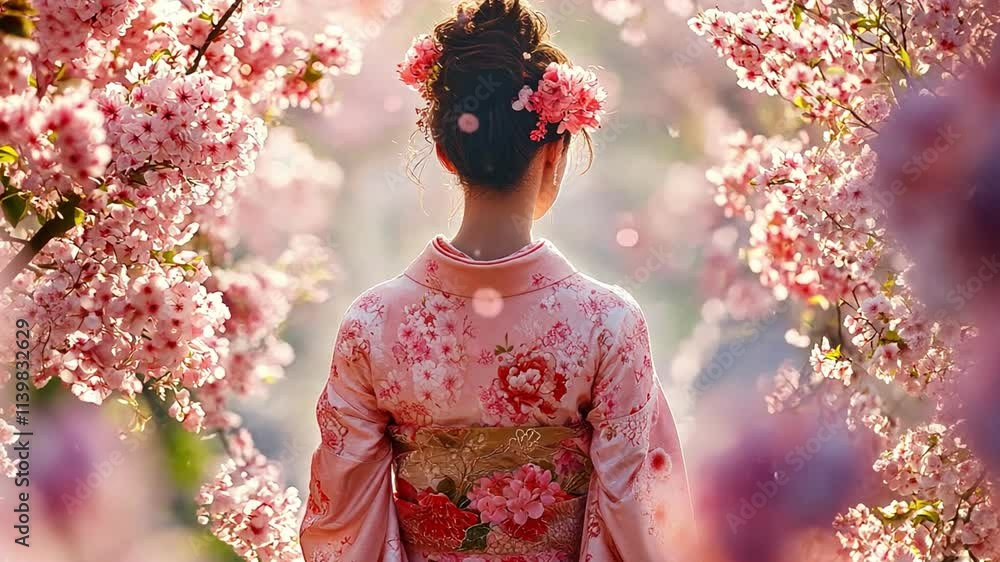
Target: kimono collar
{"points": [[444, 268]]}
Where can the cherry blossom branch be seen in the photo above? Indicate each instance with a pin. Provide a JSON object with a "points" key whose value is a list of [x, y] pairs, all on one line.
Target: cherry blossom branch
{"points": [[214, 34], [58, 225]]}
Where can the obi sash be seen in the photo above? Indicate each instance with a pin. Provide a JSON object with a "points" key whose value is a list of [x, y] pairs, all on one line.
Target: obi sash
{"points": [[492, 490]]}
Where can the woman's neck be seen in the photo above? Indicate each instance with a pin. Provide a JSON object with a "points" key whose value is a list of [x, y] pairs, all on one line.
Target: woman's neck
{"points": [[495, 226]]}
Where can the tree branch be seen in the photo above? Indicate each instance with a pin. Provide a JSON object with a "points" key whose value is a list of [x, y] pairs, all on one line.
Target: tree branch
{"points": [[214, 34], [53, 228]]}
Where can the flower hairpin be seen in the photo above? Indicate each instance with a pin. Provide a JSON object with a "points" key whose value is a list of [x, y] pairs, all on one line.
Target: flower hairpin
{"points": [[419, 69], [420, 65], [568, 95]]}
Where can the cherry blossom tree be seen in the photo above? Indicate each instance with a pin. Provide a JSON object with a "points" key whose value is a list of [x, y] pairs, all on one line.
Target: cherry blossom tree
{"points": [[816, 219], [130, 132]]}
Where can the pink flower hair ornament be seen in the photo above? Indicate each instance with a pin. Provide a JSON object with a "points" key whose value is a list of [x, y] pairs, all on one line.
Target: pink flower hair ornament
{"points": [[568, 95], [419, 67]]}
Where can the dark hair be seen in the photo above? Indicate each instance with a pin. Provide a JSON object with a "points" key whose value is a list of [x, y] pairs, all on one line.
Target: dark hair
{"points": [[483, 66]]}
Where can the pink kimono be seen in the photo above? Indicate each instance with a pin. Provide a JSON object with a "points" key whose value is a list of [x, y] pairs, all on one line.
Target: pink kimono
{"points": [[501, 411]]}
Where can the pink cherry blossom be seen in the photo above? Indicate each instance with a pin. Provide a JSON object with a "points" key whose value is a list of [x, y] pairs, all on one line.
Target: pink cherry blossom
{"points": [[516, 496], [837, 227], [568, 96], [247, 508], [140, 155], [418, 63]]}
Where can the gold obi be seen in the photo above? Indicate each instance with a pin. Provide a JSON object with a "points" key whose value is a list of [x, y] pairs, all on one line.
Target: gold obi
{"points": [[493, 490]]}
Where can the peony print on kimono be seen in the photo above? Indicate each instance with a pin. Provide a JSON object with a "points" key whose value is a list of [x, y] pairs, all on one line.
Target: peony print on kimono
{"points": [[519, 503], [528, 388], [432, 516]]}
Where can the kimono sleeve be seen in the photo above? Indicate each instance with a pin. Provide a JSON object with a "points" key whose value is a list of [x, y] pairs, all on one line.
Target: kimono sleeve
{"points": [[350, 516], [639, 505]]}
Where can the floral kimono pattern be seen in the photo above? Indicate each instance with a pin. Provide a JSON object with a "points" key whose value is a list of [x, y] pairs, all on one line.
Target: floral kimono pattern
{"points": [[458, 489], [494, 411]]}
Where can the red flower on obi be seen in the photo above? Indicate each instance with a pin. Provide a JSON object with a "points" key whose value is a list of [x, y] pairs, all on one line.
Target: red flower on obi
{"points": [[432, 517], [531, 531], [529, 380]]}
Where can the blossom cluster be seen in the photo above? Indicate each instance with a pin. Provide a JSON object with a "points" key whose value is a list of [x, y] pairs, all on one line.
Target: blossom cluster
{"points": [[433, 345], [516, 498], [568, 96], [815, 66], [419, 63], [928, 462], [247, 509], [58, 145], [129, 136], [819, 232]]}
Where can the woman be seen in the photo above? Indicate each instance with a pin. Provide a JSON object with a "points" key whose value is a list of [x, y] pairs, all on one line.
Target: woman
{"points": [[492, 403]]}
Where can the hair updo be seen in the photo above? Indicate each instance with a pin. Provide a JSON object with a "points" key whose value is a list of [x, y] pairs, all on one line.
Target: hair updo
{"points": [[490, 49]]}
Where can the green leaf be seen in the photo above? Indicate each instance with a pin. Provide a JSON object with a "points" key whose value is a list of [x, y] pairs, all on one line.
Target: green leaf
{"points": [[904, 58], [7, 154], [447, 487], [889, 284], [78, 216], [797, 12], [801, 103], [158, 54], [207, 17], [475, 537], [864, 24], [18, 26], [32, 81], [891, 336], [834, 353], [924, 511], [15, 207]]}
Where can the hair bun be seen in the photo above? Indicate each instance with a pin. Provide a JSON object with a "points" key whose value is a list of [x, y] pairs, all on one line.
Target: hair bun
{"points": [[478, 73], [492, 35]]}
